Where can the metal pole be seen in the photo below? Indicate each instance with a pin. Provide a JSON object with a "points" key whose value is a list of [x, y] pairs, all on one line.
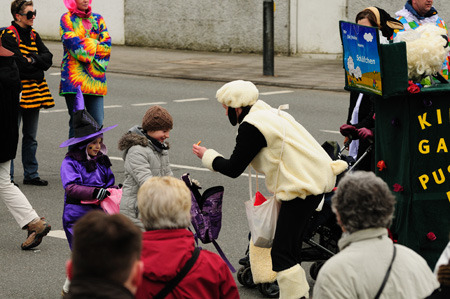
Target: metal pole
{"points": [[268, 39]]}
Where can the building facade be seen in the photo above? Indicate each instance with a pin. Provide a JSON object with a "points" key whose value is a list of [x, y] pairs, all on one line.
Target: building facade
{"points": [[307, 28]]}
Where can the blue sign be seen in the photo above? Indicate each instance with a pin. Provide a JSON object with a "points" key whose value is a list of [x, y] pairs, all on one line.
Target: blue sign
{"points": [[361, 57]]}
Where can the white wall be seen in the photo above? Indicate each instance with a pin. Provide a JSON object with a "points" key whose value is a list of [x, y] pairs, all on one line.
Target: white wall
{"points": [[49, 13], [318, 27]]}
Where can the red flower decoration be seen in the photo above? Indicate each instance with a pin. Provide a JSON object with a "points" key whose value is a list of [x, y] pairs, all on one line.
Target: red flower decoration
{"points": [[398, 188], [431, 236], [381, 165], [413, 88]]}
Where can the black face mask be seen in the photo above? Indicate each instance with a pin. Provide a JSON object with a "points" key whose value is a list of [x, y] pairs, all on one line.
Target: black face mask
{"points": [[232, 116]]}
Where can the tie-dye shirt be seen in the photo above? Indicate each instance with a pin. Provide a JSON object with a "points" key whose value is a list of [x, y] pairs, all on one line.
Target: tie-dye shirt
{"points": [[86, 55]]}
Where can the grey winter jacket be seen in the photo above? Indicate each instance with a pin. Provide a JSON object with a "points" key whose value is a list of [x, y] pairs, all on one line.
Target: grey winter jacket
{"points": [[142, 161]]}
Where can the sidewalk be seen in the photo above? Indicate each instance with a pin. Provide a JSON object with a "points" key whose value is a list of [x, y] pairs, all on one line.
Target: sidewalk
{"points": [[293, 72]]}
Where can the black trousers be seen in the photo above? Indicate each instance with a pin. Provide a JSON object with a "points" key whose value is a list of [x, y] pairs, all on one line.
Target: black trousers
{"points": [[292, 222]]}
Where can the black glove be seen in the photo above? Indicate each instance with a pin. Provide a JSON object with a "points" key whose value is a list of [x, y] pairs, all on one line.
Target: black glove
{"points": [[100, 193]]}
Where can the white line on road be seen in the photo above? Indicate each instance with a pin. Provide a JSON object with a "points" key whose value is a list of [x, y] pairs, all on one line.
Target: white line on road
{"points": [[149, 104], [65, 110], [54, 110], [189, 167], [191, 100], [275, 92], [60, 234], [328, 131]]}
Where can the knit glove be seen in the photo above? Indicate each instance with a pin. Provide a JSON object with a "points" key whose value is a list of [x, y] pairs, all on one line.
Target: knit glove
{"points": [[100, 194], [365, 133], [349, 130]]}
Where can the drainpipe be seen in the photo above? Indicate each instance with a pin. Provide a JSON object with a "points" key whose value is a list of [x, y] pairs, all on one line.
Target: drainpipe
{"points": [[268, 38]]}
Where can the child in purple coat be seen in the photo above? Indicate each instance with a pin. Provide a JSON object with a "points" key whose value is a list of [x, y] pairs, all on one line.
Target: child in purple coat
{"points": [[86, 170]]}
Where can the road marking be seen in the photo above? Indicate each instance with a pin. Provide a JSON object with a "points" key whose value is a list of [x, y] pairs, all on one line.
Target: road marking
{"points": [[54, 110], [275, 92], [190, 167], [65, 110], [60, 234], [328, 131], [149, 104], [191, 100]]}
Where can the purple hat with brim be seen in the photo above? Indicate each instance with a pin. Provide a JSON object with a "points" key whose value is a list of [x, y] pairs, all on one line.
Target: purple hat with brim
{"points": [[84, 125]]}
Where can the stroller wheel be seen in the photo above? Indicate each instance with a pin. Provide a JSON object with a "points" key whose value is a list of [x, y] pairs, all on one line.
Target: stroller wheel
{"points": [[247, 278], [239, 275], [269, 290], [315, 268]]}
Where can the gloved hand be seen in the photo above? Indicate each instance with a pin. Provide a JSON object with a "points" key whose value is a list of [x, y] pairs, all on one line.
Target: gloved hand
{"points": [[349, 130], [365, 133], [100, 194]]}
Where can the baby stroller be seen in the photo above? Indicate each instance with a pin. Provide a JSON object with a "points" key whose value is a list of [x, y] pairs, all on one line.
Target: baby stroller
{"points": [[323, 232]]}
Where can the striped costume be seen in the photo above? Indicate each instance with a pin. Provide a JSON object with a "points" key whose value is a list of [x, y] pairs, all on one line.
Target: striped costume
{"points": [[35, 92], [86, 54], [410, 21]]}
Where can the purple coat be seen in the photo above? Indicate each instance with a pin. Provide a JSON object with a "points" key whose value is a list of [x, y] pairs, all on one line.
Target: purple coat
{"points": [[79, 178]]}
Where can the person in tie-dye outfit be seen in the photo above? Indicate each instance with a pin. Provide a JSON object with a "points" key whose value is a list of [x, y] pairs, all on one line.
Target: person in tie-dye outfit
{"points": [[87, 48]]}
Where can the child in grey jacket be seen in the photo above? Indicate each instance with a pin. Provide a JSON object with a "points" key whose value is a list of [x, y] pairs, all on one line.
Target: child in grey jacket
{"points": [[146, 154]]}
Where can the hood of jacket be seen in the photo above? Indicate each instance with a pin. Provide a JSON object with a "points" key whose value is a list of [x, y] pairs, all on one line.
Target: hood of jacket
{"points": [[133, 137], [165, 252]]}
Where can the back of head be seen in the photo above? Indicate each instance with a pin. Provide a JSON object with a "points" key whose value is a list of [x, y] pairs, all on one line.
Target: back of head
{"points": [[363, 201], [157, 118], [164, 203], [105, 246]]}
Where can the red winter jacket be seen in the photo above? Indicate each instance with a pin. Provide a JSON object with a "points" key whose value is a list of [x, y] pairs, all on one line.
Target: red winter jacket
{"points": [[165, 252]]}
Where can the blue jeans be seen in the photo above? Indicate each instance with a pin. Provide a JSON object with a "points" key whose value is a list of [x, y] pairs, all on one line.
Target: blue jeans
{"points": [[30, 120], [93, 104]]}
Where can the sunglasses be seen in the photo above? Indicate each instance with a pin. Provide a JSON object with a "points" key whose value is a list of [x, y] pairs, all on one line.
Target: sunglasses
{"points": [[29, 14]]}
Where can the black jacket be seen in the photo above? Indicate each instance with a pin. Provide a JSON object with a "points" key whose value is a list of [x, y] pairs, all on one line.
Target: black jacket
{"points": [[95, 288], [10, 87], [39, 52], [365, 120]]}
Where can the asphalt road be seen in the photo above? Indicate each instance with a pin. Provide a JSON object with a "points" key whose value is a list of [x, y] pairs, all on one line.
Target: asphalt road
{"points": [[40, 273]]}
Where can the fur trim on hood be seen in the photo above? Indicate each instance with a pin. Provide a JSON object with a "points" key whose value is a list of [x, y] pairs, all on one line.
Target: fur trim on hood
{"points": [[133, 137]]}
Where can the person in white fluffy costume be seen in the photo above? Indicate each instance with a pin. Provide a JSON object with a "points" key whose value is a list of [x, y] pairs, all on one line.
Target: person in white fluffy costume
{"points": [[297, 170], [426, 48]]}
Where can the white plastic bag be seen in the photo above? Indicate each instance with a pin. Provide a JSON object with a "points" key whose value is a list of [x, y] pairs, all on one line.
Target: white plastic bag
{"points": [[262, 221]]}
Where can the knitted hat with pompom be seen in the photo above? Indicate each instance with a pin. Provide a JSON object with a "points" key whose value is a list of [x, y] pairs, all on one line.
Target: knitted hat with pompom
{"points": [[157, 118]]}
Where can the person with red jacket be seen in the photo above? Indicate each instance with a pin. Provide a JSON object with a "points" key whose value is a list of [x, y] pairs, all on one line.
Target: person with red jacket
{"points": [[164, 205]]}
